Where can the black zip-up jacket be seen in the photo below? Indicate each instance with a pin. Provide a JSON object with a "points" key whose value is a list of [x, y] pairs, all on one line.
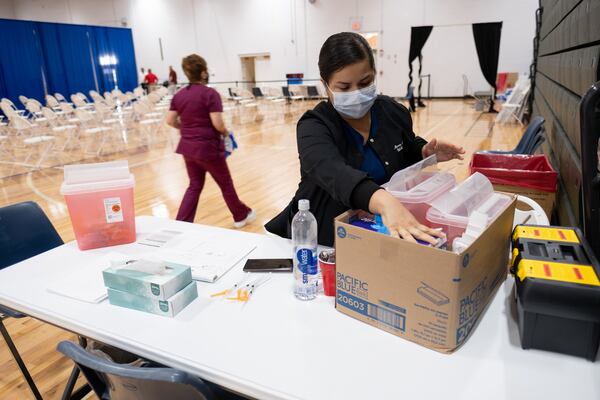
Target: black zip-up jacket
{"points": [[330, 163]]}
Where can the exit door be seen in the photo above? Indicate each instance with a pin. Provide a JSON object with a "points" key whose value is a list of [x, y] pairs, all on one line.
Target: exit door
{"points": [[248, 72]]}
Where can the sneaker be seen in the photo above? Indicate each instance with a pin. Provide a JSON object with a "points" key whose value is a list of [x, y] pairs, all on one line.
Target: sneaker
{"points": [[249, 218]]}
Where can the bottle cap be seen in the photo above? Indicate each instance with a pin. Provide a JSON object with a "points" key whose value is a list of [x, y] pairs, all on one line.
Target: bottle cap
{"points": [[303, 205]]}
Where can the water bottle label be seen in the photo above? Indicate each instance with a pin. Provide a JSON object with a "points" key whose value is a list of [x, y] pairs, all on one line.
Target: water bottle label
{"points": [[307, 261]]}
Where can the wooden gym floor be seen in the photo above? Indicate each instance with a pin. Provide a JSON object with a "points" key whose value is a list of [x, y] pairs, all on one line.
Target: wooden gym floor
{"points": [[265, 170]]}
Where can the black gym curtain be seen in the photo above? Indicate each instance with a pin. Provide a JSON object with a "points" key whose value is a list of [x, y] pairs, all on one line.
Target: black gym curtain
{"points": [[418, 37], [487, 43]]}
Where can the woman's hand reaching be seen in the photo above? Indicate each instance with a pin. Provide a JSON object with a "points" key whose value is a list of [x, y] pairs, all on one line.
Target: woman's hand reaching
{"points": [[444, 151], [399, 221]]}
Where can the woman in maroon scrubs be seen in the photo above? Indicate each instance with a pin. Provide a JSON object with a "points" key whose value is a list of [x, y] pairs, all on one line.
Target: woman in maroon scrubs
{"points": [[196, 110]]}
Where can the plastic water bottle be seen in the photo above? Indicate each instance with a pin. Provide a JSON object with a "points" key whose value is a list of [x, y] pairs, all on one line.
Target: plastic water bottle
{"points": [[304, 241]]}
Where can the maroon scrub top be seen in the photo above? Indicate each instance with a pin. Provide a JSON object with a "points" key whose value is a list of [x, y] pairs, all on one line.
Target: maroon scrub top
{"points": [[199, 139]]}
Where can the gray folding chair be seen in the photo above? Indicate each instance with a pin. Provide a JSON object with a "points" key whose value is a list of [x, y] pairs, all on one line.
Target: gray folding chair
{"points": [[114, 381], [532, 139], [313, 93]]}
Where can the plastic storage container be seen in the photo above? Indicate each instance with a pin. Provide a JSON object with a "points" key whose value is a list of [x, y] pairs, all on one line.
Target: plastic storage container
{"points": [[526, 175], [451, 211], [527, 171], [100, 202], [416, 188]]}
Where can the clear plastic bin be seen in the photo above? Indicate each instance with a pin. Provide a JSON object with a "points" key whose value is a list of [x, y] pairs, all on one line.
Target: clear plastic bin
{"points": [[451, 211], [100, 202], [417, 187]]}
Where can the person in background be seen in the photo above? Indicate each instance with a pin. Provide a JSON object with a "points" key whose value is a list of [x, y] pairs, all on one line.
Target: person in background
{"points": [[172, 80], [151, 80], [353, 143], [142, 79], [196, 110]]}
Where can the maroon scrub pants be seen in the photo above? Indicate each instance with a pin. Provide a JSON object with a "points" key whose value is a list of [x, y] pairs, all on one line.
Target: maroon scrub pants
{"points": [[218, 169]]}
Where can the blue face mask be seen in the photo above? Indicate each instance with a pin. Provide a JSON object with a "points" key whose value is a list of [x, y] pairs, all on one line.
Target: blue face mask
{"points": [[355, 104]]}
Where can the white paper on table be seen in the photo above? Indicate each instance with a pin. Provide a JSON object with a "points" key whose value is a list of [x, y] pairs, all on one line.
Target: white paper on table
{"points": [[209, 258], [189, 241], [159, 238], [86, 283]]}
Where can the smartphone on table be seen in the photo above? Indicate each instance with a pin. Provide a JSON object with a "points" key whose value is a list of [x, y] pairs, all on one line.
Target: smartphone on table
{"points": [[269, 265]]}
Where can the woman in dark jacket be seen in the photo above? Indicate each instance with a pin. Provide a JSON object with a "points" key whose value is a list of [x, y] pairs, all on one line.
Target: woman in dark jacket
{"points": [[353, 143]]}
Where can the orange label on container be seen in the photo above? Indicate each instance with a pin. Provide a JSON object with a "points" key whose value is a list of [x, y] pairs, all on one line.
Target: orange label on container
{"points": [[113, 210]]}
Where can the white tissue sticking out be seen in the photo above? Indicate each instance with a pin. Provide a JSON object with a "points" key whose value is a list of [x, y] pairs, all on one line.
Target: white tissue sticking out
{"points": [[478, 222]]}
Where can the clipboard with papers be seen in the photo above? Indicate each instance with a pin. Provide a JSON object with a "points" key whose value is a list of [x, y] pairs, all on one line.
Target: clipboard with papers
{"points": [[209, 257]]}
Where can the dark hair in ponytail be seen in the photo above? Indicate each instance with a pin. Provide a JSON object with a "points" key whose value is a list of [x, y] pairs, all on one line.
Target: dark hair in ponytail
{"points": [[193, 66], [341, 50]]}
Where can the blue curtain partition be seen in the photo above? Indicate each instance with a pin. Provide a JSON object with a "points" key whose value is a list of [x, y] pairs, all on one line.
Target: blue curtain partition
{"points": [[107, 60], [38, 58], [78, 54], [56, 76], [121, 45], [21, 61]]}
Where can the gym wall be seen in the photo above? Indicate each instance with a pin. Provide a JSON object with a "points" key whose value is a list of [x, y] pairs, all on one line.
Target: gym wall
{"points": [[566, 66]]}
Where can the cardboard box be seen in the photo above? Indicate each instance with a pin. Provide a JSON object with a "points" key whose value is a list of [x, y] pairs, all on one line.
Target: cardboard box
{"points": [[155, 286], [429, 296], [169, 307], [544, 199]]}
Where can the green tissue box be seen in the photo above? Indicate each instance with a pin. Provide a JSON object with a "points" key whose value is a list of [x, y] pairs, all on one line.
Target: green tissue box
{"points": [[157, 286], [169, 307]]}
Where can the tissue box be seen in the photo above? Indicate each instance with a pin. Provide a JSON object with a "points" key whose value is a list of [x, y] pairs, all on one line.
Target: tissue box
{"points": [[154, 286], [169, 307]]}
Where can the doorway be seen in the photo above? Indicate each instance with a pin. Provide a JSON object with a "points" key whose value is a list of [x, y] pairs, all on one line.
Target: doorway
{"points": [[255, 66], [248, 72], [373, 40]]}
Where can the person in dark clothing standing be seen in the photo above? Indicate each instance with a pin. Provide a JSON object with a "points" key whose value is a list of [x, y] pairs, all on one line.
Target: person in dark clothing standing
{"points": [[172, 84], [354, 142], [142, 79]]}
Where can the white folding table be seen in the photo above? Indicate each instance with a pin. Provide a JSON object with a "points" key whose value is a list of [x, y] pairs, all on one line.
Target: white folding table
{"points": [[277, 347]]}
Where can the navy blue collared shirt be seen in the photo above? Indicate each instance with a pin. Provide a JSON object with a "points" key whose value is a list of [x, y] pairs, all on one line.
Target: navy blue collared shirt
{"points": [[371, 164]]}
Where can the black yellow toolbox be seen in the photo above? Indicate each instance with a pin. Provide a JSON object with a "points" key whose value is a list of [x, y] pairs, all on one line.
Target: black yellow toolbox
{"points": [[557, 290]]}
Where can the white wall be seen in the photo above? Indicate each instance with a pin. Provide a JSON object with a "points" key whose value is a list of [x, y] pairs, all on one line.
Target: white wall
{"points": [[91, 12], [292, 31], [226, 29], [7, 9], [171, 21]]}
